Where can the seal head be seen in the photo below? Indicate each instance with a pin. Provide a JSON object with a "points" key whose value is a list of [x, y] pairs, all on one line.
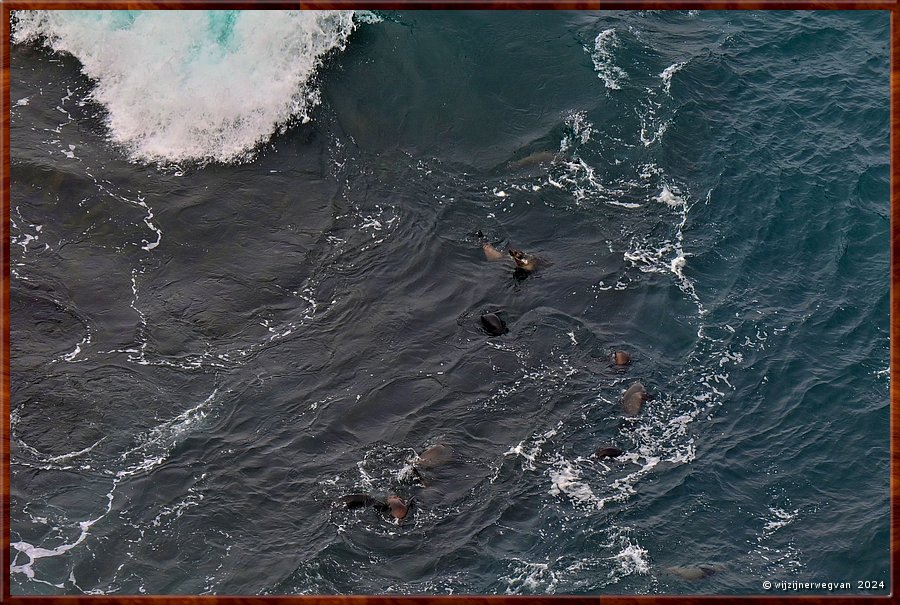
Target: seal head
{"points": [[621, 358], [633, 399], [493, 325], [525, 262]]}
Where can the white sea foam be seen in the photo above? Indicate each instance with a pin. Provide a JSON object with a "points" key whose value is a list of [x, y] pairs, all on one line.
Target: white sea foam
{"points": [[667, 74], [530, 452], [666, 196], [667, 256], [152, 450], [652, 128], [603, 57], [527, 577], [84, 341], [777, 550], [633, 559], [194, 85], [579, 130], [565, 478], [155, 446], [780, 519]]}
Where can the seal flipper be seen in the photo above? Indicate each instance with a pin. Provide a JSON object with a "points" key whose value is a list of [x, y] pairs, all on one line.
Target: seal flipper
{"points": [[357, 500], [397, 506]]}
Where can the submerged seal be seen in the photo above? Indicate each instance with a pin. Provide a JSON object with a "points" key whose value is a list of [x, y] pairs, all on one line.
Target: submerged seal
{"points": [[692, 573], [608, 452], [633, 399], [621, 358], [491, 253], [434, 455], [534, 159], [393, 505], [493, 325]]}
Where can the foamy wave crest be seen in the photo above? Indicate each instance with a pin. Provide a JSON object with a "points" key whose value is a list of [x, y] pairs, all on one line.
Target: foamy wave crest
{"points": [[611, 74], [194, 85], [667, 74]]}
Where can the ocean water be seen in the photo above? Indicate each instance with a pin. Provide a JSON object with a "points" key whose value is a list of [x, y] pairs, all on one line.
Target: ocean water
{"points": [[246, 282]]}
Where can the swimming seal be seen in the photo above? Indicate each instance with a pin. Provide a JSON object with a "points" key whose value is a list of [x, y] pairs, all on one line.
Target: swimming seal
{"points": [[621, 358], [397, 507], [491, 253], [394, 504], [358, 500], [493, 325], [525, 262], [534, 159], [633, 399], [608, 452], [430, 458], [692, 573], [434, 455]]}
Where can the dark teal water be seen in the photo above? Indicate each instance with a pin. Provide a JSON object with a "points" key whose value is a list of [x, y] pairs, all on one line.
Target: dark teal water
{"points": [[207, 355]]}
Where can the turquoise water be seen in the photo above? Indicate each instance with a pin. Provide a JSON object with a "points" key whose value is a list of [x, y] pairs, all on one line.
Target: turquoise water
{"points": [[246, 282]]}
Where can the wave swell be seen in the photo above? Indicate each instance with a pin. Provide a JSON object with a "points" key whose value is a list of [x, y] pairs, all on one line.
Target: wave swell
{"points": [[194, 86]]}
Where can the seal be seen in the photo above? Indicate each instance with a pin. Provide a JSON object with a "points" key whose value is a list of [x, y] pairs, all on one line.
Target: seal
{"points": [[692, 573], [433, 456], [491, 253], [633, 399], [537, 158], [621, 358], [525, 262], [397, 507], [358, 500], [436, 454], [493, 325], [393, 505], [608, 452]]}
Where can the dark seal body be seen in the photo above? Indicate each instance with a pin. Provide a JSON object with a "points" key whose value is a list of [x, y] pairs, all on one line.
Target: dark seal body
{"points": [[358, 500], [436, 454], [493, 325], [608, 452], [621, 358], [398, 508], [634, 399]]}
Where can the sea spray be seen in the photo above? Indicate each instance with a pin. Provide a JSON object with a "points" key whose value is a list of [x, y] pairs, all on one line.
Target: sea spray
{"points": [[182, 86]]}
